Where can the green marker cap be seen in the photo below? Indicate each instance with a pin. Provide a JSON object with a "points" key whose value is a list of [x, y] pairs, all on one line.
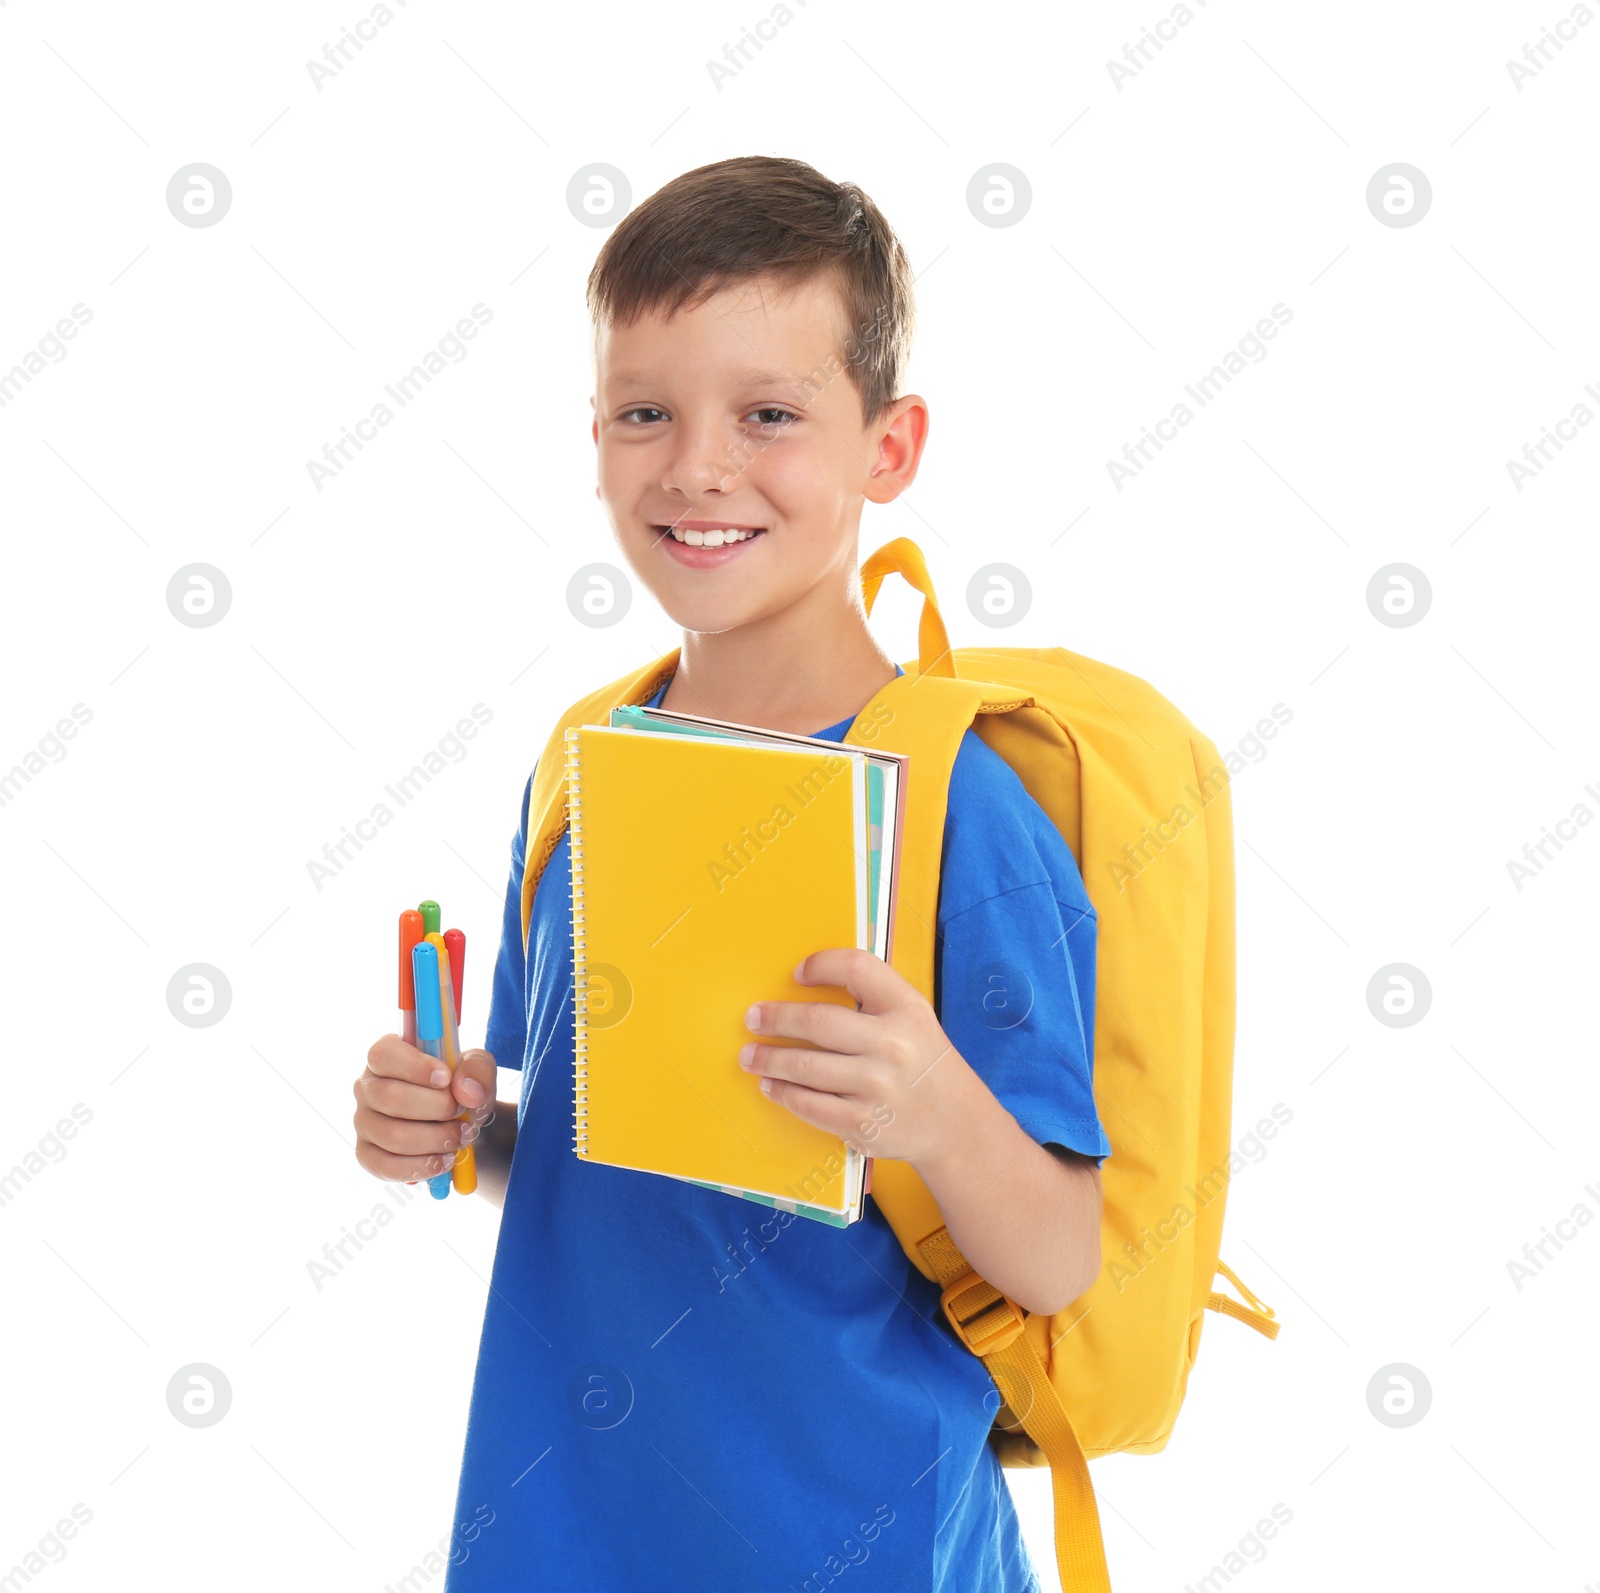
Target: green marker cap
{"points": [[431, 918]]}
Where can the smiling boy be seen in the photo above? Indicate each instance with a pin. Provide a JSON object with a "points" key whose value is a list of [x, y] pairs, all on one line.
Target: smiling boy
{"points": [[676, 1388]]}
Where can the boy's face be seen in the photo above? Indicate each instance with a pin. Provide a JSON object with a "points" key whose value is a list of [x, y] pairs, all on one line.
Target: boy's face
{"points": [[739, 414]]}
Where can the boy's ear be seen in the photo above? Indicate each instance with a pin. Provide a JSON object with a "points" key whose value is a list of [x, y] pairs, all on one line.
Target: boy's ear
{"points": [[902, 434]]}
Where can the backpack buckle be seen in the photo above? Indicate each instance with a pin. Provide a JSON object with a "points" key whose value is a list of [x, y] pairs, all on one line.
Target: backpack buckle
{"points": [[972, 1308]]}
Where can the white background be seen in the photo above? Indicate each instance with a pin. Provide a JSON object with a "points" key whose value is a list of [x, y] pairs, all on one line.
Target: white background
{"points": [[1168, 216]]}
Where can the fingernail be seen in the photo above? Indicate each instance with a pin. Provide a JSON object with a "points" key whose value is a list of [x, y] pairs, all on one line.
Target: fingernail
{"points": [[439, 1076], [766, 1086], [752, 1019], [747, 1054], [472, 1092]]}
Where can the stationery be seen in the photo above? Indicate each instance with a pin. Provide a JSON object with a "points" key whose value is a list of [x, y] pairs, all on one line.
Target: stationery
{"points": [[708, 858], [432, 968], [410, 933]]}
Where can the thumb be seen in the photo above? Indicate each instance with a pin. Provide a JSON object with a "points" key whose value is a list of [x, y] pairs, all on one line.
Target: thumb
{"points": [[474, 1081]]}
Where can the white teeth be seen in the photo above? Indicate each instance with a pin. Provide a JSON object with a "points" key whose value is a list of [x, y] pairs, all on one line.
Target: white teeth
{"points": [[709, 539]]}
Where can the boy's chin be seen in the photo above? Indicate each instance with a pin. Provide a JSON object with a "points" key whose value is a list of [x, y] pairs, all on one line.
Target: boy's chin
{"points": [[705, 618]]}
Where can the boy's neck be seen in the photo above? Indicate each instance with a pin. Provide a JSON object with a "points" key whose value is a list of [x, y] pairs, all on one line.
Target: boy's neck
{"points": [[791, 672]]}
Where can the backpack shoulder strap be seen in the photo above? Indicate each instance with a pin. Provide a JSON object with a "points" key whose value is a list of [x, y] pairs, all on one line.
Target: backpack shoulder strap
{"points": [[930, 711], [926, 718], [547, 803]]}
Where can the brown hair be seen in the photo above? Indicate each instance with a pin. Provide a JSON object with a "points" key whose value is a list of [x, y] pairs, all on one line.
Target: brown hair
{"points": [[761, 215]]}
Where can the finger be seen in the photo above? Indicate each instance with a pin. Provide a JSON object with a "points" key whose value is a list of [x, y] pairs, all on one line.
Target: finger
{"points": [[394, 1058], [876, 987], [831, 1113], [825, 1023], [395, 1098], [401, 1136], [816, 1070], [400, 1169]]}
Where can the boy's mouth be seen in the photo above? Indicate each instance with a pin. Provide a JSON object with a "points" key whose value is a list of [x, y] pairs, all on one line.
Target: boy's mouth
{"points": [[703, 544]]}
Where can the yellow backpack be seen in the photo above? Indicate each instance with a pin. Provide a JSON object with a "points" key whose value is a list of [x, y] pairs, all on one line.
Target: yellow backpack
{"points": [[1142, 799]]}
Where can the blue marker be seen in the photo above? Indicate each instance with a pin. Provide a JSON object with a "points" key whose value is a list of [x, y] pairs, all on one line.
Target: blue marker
{"points": [[430, 1028]]}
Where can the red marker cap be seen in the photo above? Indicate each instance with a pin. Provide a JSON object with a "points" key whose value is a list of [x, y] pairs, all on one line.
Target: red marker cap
{"points": [[455, 941]]}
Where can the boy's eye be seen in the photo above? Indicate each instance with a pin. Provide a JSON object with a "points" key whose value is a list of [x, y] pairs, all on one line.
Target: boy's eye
{"points": [[769, 415]]}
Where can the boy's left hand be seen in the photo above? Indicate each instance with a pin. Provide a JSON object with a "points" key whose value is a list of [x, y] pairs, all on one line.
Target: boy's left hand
{"points": [[885, 1078]]}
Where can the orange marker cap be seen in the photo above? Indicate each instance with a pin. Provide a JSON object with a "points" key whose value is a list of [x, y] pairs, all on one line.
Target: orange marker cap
{"points": [[410, 934]]}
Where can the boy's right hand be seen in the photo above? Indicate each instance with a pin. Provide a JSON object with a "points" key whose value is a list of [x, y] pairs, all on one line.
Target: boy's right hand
{"points": [[406, 1123]]}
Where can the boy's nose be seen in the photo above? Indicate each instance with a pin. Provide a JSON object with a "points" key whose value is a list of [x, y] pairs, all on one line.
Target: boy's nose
{"points": [[701, 462]]}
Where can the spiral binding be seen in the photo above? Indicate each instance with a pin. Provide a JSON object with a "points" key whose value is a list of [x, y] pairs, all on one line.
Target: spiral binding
{"points": [[580, 1025]]}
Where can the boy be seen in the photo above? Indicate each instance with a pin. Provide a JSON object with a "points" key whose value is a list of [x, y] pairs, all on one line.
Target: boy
{"points": [[678, 1389]]}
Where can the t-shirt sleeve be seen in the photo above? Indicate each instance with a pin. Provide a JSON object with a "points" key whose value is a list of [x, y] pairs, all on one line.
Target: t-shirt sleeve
{"points": [[1014, 964], [506, 1036]]}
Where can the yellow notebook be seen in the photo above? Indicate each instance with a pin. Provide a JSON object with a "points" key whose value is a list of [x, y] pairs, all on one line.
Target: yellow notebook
{"points": [[703, 870]]}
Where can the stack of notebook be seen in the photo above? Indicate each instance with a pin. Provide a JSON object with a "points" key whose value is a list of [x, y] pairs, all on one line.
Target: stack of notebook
{"points": [[708, 858]]}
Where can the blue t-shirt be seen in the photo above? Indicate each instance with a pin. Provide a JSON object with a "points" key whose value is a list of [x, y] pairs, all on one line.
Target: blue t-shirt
{"points": [[681, 1390]]}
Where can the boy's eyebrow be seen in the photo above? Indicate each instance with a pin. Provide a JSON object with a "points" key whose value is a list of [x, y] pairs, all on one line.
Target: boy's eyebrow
{"points": [[784, 378], [641, 379]]}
